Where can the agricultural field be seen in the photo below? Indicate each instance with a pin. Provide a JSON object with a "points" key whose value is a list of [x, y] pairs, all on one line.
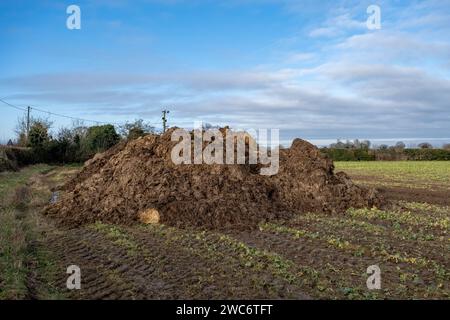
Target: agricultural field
{"points": [[427, 181], [310, 256]]}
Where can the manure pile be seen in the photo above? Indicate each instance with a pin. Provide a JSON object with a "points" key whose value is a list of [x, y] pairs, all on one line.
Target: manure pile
{"points": [[138, 181]]}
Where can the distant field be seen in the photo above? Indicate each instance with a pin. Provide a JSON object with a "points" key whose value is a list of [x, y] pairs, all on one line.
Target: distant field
{"points": [[311, 255], [404, 174]]}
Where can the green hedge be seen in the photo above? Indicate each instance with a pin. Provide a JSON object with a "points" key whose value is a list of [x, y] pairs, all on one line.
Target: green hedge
{"points": [[387, 155], [427, 154], [348, 154], [20, 156], [12, 158], [53, 152]]}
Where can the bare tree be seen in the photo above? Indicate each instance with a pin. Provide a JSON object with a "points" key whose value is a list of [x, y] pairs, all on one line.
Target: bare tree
{"points": [[21, 127], [133, 130], [425, 145], [399, 146]]}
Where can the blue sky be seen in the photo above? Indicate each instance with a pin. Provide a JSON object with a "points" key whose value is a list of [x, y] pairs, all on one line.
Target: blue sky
{"points": [[310, 68]]}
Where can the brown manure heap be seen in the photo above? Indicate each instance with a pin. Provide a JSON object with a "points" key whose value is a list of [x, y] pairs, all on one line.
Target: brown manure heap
{"points": [[138, 181]]}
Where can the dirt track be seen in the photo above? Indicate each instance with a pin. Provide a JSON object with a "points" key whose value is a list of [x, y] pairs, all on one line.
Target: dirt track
{"points": [[440, 197]]}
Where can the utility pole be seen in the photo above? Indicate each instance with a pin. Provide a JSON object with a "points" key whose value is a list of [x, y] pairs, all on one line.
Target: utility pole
{"points": [[164, 119], [28, 120]]}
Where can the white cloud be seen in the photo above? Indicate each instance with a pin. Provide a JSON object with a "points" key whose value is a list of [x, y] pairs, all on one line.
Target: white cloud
{"points": [[300, 57], [338, 25], [324, 32], [360, 83], [381, 97]]}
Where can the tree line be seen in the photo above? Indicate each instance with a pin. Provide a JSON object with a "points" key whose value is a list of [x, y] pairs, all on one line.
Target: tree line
{"points": [[357, 150], [35, 142]]}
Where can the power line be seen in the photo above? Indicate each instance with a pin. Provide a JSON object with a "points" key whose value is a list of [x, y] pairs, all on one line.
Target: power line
{"points": [[65, 116], [73, 118], [13, 106], [53, 113]]}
